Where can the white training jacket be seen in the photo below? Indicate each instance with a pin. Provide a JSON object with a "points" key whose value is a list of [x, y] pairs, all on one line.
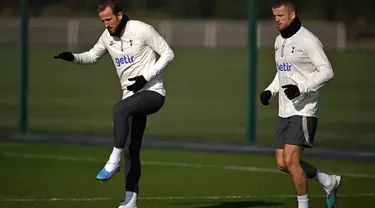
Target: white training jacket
{"points": [[300, 60], [133, 54]]}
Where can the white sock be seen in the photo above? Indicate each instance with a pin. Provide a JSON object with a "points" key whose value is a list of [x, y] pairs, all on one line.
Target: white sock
{"points": [[303, 201], [131, 198], [114, 159], [324, 179]]}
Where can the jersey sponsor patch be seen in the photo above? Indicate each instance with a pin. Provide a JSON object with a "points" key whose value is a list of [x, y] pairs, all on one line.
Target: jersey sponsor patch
{"points": [[284, 67], [124, 60]]}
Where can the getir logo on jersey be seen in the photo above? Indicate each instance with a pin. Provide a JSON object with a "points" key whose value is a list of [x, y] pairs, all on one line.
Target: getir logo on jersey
{"points": [[124, 60], [284, 67]]}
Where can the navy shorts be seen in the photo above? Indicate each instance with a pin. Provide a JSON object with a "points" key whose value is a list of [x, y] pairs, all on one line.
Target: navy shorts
{"points": [[297, 130]]}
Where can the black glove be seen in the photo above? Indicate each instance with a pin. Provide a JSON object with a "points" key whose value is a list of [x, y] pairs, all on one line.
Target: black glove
{"points": [[66, 56], [291, 91], [139, 83], [265, 97]]}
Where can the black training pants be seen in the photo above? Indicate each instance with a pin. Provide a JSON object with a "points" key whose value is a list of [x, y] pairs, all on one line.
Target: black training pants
{"points": [[129, 121]]}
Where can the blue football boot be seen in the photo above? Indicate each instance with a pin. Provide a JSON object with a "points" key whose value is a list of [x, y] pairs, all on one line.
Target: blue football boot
{"points": [[331, 197], [105, 175]]}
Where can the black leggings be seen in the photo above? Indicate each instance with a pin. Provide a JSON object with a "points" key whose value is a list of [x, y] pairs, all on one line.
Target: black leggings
{"points": [[129, 121]]}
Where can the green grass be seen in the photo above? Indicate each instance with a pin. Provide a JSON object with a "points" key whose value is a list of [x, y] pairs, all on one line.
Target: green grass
{"points": [[42, 172], [206, 96]]}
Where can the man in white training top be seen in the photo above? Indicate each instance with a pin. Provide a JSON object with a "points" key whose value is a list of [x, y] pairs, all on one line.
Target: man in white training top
{"points": [[132, 45], [302, 68]]}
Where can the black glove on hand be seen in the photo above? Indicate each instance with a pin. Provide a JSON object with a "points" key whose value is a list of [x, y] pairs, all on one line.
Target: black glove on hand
{"points": [[66, 56], [265, 97], [291, 91], [139, 83]]}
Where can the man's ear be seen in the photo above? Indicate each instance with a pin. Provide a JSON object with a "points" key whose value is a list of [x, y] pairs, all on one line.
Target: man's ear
{"points": [[293, 15], [120, 16]]}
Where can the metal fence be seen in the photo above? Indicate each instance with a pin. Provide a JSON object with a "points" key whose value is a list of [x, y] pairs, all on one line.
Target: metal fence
{"points": [[179, 33]]}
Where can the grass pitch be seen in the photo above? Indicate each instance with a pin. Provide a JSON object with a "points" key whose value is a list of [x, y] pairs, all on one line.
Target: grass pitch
{"points": [[39, 175]]}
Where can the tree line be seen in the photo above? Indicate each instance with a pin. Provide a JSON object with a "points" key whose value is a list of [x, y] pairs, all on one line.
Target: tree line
{"points": [[330, 10]]}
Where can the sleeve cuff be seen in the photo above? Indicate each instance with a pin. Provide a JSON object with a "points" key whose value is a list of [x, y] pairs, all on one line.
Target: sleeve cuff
{"points": [[302, 88], [75, 58], [147, 77], [272, 92]]}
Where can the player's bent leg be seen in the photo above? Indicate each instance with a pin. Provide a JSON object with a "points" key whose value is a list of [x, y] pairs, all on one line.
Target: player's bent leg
{"points": [[311, 172], [149, 103], [292, 157], [122, 111], [140, 104], [330, 183]]}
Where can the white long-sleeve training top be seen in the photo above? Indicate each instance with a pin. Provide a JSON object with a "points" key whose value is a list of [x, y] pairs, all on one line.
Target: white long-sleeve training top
{"points": [[300, 60], [133, 54]]}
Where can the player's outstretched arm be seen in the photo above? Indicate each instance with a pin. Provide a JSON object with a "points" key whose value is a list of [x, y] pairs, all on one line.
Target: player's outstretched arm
{"points": [[159, 45], [88, 57], [314, 50]]}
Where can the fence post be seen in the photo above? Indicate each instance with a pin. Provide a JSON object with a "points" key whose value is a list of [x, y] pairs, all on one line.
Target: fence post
{"points": [[252, 71], [23, 119]]}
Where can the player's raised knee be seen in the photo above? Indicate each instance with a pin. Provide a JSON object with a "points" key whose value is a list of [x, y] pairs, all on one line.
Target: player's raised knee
{"points": [[120, 109]]}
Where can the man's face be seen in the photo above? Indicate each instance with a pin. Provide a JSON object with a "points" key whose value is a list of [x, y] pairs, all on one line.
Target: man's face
{"points": [[283, 16], [110, 20]]}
